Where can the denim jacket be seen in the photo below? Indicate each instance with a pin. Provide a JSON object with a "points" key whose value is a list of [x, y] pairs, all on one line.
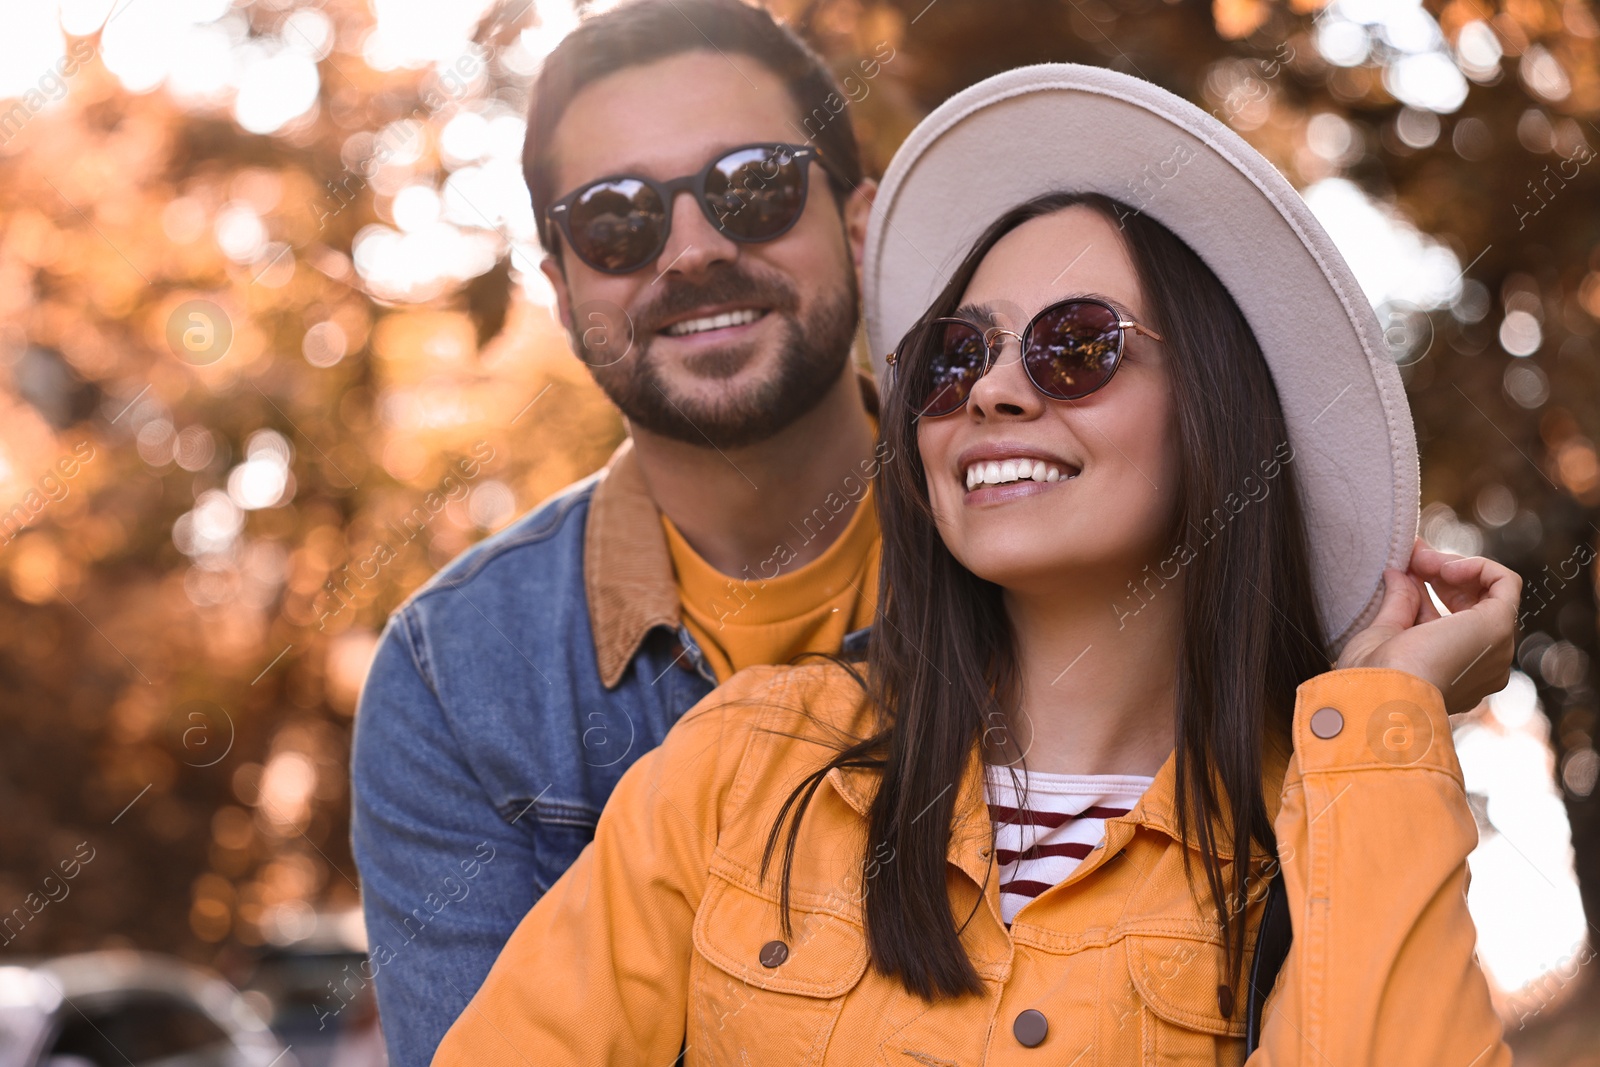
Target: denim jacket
{"points": [[507, 697]]}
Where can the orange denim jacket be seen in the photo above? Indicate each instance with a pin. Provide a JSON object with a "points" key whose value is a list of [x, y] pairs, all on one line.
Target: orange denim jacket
{"points": [[662, 934]]}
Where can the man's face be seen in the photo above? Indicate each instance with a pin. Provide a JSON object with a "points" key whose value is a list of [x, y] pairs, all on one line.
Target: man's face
{"points": [[736, 384]]}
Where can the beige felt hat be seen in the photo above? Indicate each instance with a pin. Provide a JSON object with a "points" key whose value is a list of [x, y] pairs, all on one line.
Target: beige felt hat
{"points": [[1027, 132]]}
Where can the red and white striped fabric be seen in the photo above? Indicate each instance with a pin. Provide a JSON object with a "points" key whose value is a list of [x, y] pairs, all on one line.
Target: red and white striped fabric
{"points": [[1042, 837]]}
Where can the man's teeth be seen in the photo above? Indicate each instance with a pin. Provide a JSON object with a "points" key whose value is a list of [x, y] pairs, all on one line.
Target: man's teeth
{"points": [[713, 322], [999, 472]]}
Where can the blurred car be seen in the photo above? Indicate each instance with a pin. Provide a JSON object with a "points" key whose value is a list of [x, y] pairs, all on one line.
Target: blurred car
{"points": [[312, 982], [122, 1008]]}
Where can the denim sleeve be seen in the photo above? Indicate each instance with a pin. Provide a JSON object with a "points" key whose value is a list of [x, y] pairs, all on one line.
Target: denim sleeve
{"points": [[445, 878]]}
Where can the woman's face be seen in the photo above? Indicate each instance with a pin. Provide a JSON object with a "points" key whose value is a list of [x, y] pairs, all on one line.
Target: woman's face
{"points": [[1112, 510]]}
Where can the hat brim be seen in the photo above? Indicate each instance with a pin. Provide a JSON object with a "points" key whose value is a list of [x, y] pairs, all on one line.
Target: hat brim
{"points": [[1059, 127]]}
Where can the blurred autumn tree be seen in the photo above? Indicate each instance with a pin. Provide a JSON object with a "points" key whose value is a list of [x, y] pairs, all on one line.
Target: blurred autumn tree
{"points": [[267, 282]]}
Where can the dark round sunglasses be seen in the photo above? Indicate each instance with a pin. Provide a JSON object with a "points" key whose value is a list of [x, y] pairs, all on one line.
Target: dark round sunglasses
{"points": [[755, 192], [1069, 350]]}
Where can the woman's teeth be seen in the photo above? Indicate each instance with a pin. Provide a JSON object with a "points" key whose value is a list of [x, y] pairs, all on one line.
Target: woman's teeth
{"points": [[1000, 472], [713, 322]]}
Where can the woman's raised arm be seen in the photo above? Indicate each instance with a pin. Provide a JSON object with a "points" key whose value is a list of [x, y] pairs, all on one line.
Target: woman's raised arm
{"points": [[1374, 833]]}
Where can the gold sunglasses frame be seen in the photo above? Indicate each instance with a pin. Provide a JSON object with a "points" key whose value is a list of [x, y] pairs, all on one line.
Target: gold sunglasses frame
{"points": [[989, 347]]}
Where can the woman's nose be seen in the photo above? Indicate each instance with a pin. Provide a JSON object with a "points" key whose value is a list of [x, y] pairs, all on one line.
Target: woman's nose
{"points": [[1005, 391]]}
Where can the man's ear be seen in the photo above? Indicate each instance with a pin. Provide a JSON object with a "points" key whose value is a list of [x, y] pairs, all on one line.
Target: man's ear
{"points": [[550, 266], [857, 211]]}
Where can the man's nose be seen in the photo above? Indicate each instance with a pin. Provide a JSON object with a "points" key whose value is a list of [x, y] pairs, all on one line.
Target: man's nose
{"points": [[694, 243]]}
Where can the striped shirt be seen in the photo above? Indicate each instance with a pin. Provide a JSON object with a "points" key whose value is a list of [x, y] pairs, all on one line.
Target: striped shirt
{"points": [[1041, 838]]}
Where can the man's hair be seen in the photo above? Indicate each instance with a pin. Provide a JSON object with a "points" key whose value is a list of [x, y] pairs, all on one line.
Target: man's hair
{"points": [[644, 31]]}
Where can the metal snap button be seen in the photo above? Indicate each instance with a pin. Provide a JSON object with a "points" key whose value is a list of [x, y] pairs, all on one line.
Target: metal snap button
{"points": [[1030, 1028], [773, 953], [1326, 722]]}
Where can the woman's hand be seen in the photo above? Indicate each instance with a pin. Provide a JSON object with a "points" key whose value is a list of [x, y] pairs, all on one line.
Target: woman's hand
{"points": [[1467, 653]]}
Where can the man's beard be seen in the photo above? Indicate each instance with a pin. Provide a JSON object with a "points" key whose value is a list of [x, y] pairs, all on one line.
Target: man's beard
{"points": [[813, 352]]}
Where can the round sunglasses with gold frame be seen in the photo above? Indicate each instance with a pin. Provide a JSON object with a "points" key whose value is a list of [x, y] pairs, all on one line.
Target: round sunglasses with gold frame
{"points": [[1069, 349]]}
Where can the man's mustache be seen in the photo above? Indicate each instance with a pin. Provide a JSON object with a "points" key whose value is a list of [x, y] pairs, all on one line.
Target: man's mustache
{"points": [[679, 296]]}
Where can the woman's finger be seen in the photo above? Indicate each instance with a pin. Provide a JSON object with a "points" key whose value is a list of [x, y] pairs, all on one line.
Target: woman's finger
{"points": [[1465, 583], [1398, 611], [1460, 581], [1460, 588], [1427, 558], [1489, 593], [1456, 596], [1429, 563], [1499, 580], [1427, 611]]}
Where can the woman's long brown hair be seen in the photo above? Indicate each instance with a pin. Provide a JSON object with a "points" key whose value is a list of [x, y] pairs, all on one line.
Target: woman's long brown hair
{"points": [[942, 656]]}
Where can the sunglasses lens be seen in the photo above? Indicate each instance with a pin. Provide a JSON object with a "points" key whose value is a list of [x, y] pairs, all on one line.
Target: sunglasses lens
{"points": [[1072, 349], [944, 360], [754, 194], [617, 225]]}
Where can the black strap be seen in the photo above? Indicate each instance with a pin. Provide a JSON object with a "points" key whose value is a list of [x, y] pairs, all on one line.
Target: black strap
{"points": [[1272, 948]]}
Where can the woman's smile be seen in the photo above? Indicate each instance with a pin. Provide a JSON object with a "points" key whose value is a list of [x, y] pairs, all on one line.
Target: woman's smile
{"points": [[1001, 471]]}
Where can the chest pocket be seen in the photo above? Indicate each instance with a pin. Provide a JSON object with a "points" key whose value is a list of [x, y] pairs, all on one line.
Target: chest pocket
{"points": [[1181, 1020], [559, 833], [757, 996]]}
